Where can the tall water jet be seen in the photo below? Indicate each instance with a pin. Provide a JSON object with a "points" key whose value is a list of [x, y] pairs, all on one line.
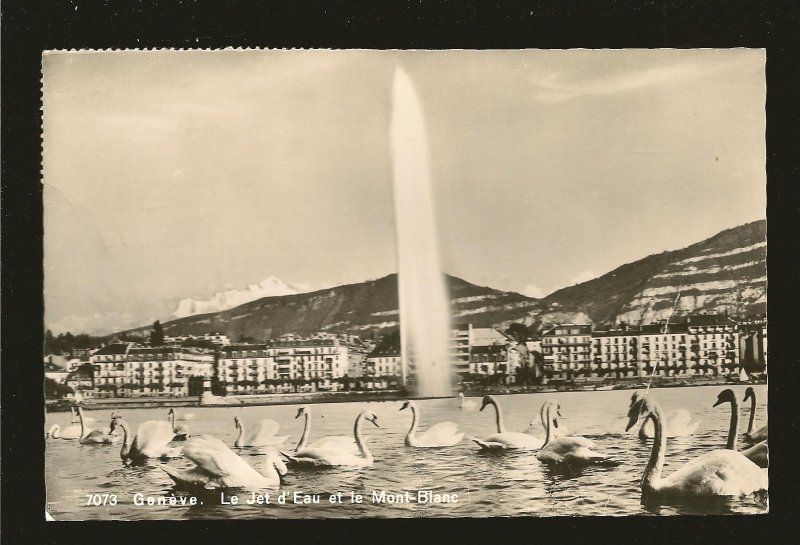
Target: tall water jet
{"points": [[424, 304]]}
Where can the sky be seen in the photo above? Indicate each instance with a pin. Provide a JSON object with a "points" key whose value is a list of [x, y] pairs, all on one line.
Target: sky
{"points": [[175, 174]]}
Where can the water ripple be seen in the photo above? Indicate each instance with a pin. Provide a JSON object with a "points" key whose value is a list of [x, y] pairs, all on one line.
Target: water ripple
{"points": [[487, 483]]}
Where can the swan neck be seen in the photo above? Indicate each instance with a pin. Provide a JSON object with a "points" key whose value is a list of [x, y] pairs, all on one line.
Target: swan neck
{"points": [[306, 431], [752, 413], [550, 432], [733, 430], [498, 416], [359, 441], [238, 442], [54, 431], [652, 473], [172, 419], [123, 452], [413, 430], [80, 417]]}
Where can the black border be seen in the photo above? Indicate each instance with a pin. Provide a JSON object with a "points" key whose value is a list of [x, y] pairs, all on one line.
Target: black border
{"points": [[29, 27]]}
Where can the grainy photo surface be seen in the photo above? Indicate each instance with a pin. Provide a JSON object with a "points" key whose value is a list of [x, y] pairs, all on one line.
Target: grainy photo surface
{"points": [[381, 284]]}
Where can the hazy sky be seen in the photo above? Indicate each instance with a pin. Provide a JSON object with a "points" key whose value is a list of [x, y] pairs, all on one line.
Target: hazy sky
{"points": [[179, 174]]}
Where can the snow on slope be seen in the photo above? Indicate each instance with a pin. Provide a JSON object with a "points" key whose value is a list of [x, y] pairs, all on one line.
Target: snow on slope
{"points": [[224, 300]]}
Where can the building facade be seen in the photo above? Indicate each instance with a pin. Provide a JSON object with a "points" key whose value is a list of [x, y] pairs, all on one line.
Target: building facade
{"points": [[567, 351], [122, 369], [283, 365]]}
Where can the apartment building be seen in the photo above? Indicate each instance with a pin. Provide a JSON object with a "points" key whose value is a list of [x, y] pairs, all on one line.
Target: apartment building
{"points": [[276, 366], [567, 351], [129, 369], [384, 362]]}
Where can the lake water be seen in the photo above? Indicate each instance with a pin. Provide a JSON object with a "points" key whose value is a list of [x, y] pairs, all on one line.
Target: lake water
{"points": [[510, 483]]}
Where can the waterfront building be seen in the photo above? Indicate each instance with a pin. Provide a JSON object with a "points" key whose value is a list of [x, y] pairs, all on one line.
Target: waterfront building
{"points": [[82, 382], [567, 351], [384, 362], [714, 344], [459, 348], [283, 365], [753, 344], [130, 369], [55, 372]]}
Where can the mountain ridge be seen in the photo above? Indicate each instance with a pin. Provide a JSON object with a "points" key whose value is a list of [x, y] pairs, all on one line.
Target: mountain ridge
{"points": [[723, 273]]}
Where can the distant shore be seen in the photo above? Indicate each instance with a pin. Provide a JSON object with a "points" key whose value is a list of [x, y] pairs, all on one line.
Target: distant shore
{"points": [[387, 395]]}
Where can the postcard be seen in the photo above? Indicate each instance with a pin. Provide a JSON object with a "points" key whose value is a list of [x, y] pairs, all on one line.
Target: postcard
{"points": [[316, 283]]}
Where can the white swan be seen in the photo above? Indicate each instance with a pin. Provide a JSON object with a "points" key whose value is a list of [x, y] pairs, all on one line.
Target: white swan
{"points": [[678, 423], [341, 442], [263, 434], [443, 434], [94, 437], [151, 441], [758, 453], [505, 439], [541, 426], [181, 432], [70, 432], [569, 451], [466, 404], [75, 419], [321, 456], [217, 466], [721, 472], [762, 433]]}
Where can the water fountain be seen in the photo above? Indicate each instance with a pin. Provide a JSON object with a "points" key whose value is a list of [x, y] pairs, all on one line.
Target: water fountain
{"points": [[424, 304]]}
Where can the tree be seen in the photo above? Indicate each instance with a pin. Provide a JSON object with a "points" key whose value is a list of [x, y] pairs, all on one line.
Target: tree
{"points": [[55, 390], [518, 332], [157, 335]]}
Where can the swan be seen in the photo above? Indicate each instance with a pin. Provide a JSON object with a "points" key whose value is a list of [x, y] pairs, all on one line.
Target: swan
{"points": [[181, 432], [534, 427], [75, 419], [464, 403], [341, 442], [326, 456], [443, 434], [569, 451], [151, 441], [758, 453], [70, 432], [263, 434], [217, 466], [761, 434], [678, 423], [717, 473], [95, 437], [505, 439]]}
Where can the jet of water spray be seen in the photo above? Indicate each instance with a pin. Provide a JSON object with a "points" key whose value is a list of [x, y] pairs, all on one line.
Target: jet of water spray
{"points": [[424, 305]]}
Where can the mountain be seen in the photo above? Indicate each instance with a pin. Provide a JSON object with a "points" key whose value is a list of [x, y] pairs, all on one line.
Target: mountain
{"points": [[356, 308], [224, 300], [725, 273]]}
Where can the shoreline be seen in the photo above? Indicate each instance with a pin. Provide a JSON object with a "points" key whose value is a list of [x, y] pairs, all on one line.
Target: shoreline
{"points": [[254, 400]]}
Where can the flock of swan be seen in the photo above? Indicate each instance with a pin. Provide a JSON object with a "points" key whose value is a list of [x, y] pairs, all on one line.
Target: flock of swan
{"points": [[727, 472]]}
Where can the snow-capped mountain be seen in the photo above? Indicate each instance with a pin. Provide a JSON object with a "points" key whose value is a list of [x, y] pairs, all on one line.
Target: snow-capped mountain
{"points": [[224, 300]]}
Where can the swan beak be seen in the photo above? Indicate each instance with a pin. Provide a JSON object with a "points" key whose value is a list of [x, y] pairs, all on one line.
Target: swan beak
{"points": [[632, 422], [718, 402], [376, 423]]}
